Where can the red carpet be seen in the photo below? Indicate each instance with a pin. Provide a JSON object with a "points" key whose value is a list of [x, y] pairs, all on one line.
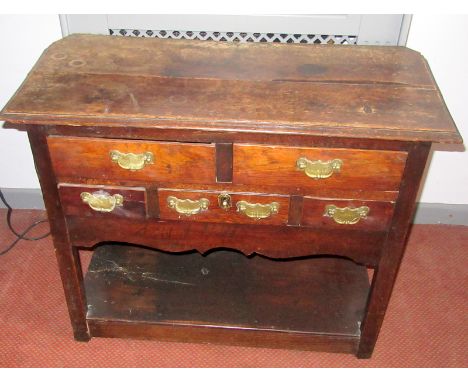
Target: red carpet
{"points": [[426, 323]]}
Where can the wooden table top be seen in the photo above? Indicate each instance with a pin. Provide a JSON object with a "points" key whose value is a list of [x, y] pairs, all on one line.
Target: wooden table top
{"points": [[342, 91]]}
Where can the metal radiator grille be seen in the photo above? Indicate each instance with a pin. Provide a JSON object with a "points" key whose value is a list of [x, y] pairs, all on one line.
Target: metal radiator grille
{"points": [[284, 38]]}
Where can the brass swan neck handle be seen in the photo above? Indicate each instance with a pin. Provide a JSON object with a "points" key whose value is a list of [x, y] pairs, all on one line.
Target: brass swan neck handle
{"points": [[317, 169]]}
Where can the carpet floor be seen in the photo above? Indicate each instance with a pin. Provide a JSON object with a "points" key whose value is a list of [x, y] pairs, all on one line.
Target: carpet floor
{"points": [[426, 323]]}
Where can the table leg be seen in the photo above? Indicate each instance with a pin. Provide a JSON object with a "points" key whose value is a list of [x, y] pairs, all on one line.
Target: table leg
{"points": [[67, 256], [392, 253]]}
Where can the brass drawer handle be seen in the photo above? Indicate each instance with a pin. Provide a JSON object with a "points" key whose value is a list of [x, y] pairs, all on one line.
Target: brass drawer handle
{"points": [[130, 161], [102, 201], [346, 215], [257, 211], [316, 169], [186, 206]]}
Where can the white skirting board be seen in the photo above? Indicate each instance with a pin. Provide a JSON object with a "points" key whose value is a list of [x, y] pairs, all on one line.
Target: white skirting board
{"points": [[426, 213]]}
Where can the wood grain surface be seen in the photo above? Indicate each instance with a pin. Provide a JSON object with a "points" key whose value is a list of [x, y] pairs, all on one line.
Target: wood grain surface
{"points": [[234, 61], [81, 158], [134, 201], [100, 80], [216, 214], [361, 169], [362, 246], [378, 218], [314, 297]]}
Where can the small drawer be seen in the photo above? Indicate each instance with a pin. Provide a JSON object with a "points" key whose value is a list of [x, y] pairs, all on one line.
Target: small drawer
{"points": [[313, 169], [347, 214], [223, 207], [83, 200], [126, 160]]}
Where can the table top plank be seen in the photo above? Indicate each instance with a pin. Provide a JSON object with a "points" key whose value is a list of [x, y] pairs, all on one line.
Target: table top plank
{"points": [[346, 91]]}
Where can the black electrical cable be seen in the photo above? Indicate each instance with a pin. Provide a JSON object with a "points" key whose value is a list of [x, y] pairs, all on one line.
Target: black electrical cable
{"points": [[22, 235]]}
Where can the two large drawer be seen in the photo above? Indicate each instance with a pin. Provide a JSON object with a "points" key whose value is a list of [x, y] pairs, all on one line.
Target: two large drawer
{"points": [[303, 169]]}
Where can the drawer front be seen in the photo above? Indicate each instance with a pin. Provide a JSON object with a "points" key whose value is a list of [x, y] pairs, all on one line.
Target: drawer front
{"points": [[205, 206], [102, 201], [347, 214], [313, 169], [114, 159]]}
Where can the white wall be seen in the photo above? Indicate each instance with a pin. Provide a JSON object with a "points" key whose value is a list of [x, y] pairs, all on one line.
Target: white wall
{"points": [[441, 39], [23, 38]]}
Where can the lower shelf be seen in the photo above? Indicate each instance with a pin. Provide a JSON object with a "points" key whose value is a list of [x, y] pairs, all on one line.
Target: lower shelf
{"points": [[226, 297]]}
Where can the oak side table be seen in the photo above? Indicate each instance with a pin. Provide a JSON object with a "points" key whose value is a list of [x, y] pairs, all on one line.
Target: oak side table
{"points": [[231, 193]]}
